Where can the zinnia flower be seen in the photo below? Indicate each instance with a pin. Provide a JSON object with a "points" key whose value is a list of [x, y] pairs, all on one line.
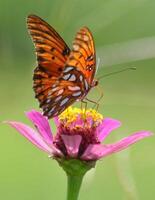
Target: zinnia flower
{"points": [[77, 145], [79, 134]]}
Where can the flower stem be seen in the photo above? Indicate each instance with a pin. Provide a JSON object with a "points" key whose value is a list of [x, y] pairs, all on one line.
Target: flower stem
{"points": [[73, 186], [75, 170]]}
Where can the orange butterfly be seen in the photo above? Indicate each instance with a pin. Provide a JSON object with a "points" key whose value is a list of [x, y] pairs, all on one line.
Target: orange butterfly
{"points": [[62, 76]]}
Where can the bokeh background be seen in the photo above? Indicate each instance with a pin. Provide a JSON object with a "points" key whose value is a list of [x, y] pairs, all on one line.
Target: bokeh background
{"points": [[124, 32]]}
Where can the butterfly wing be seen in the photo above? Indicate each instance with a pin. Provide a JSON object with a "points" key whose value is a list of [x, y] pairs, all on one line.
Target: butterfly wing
{"points": [[63, 95], [52, 53], [51, 49], [83, 56]]}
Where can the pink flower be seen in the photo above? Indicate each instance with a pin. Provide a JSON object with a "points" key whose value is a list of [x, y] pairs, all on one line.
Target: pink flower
{"points": [[79, 134]]}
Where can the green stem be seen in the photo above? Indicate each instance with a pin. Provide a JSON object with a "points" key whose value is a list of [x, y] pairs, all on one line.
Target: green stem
{"points": [[73, 186], [75, 170]]}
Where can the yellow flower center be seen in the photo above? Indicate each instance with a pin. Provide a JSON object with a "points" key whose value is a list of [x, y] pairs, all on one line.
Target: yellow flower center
{"points": [[72, 114]]}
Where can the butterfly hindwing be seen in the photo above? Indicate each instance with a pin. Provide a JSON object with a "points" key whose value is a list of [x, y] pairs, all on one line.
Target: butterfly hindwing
{"points": [[62, 95]]}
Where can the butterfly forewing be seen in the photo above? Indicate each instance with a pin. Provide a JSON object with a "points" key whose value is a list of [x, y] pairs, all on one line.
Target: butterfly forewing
{"points": [[83, 54], [51, 49], [52, 53]]}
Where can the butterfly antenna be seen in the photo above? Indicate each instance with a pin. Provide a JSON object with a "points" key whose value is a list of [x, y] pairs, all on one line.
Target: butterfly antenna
{"points": [[117, 72]]}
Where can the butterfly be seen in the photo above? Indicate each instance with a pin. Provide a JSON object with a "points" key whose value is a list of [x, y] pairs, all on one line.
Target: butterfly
{"points": [[62, 75]]}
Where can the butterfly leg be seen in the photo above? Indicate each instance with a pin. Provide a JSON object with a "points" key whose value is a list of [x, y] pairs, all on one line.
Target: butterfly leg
{"points": [[84, 103], [85, 108], [94, 102], [101, 93]]}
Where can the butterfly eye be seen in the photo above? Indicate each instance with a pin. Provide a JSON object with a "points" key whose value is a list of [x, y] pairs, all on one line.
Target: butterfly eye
{"points": [[89, 68]]}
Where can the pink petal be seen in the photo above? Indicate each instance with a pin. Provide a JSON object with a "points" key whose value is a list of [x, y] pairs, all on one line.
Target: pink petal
{"points": [[72, 143], [55, 152], [31, 135], [42, 125], [95, 152], [127, 141], [106, 127]]}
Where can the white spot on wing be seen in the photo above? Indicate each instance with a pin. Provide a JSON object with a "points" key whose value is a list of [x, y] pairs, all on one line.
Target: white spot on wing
{"points": [[57, 98], [48, 100], [72, 78], [52, 109], [81, 78], [76, 47], [54, 85], [49, 93], [66, 77], [54, 89], [86, 84], [64, 101], [67, 69], [73, 88], [76, 94], [60, 92], [86, 38]]}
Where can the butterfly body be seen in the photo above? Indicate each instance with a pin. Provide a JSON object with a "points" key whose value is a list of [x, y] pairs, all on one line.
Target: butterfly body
{"points": [[62, 76]]}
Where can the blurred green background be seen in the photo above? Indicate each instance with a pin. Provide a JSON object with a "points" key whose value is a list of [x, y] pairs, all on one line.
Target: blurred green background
{"points": [[124, 33]]}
